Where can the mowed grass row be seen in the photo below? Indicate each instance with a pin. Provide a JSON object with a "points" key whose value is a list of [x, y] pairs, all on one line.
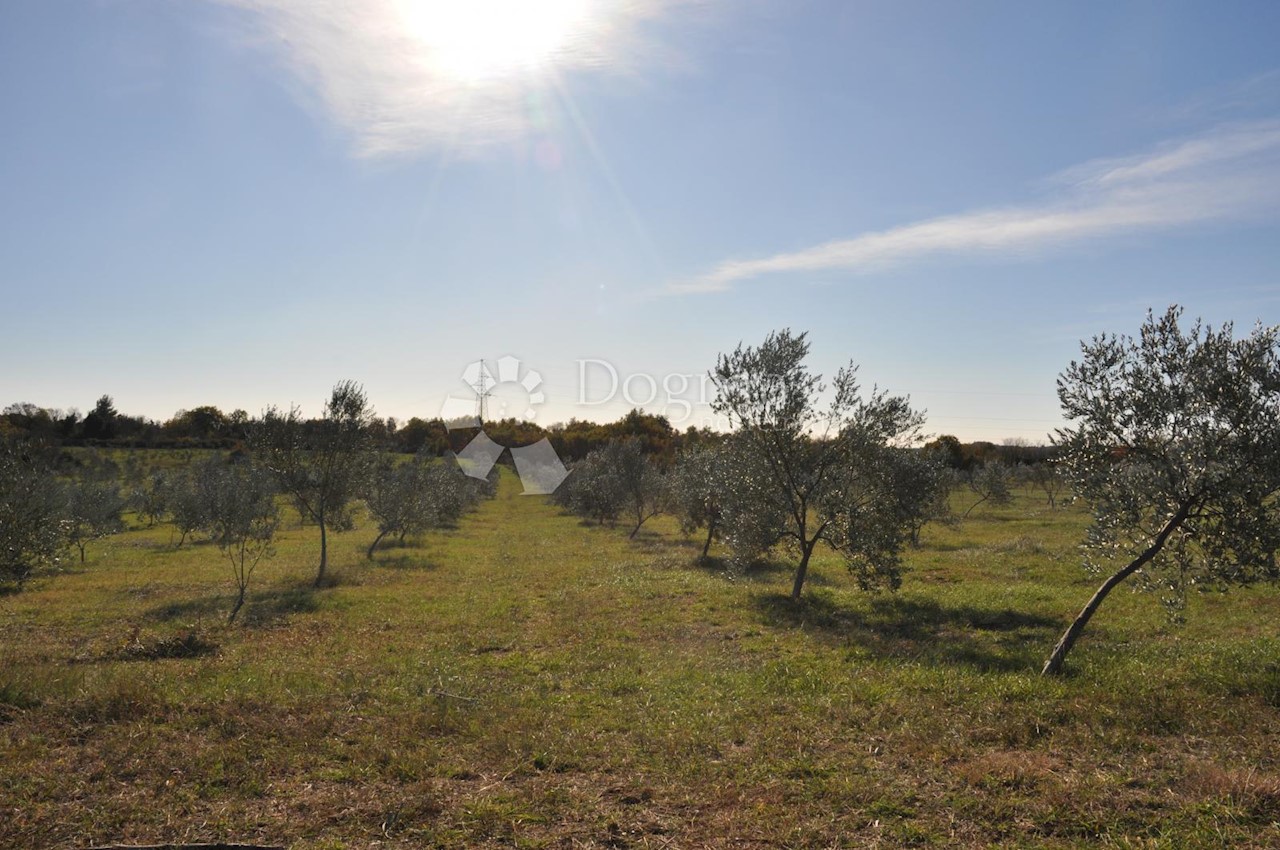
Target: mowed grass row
{"points": [[528, 680]]}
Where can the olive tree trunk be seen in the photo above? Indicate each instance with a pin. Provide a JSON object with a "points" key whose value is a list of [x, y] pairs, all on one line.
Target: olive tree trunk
{"points": [[706, 545], [806, 551], [1053, 665], [324, 549], [374, 544]]}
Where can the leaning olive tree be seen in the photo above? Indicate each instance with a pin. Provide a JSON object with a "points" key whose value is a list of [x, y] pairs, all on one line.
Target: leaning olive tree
{"points": [[321, 463], [825, 470], [992, 482], [1175, 443]]}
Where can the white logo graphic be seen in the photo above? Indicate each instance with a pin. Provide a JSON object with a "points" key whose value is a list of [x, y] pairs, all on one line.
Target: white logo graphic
{"points": [[538, 465]]}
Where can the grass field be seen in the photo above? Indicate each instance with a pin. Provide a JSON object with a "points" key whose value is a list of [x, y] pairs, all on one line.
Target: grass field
{"points": [[527, 680]]}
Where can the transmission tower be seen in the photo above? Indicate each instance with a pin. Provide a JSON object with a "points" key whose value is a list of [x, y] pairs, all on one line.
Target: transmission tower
{"points": [[482, 393]]}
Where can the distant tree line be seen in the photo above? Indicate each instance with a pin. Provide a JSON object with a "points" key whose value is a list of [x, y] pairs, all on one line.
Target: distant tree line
{"points": [[208, 427], [968, 456]]}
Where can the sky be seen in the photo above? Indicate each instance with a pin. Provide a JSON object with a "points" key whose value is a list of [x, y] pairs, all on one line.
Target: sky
{"points": [[243, 202]]}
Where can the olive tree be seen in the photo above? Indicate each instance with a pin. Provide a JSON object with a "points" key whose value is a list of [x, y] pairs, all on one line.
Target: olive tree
{"points": [[399, 498], [1174, 442], [148, 497], [616, 479], [238, 511], [991, 482], [32, 513], [695, 492], [888, 493], [181, 495], [93, 510], [753, 511], [822, 468], [640, 481], [451, 492], [322, 463], [1047, 477], [591, 490], [924, 481], [421, 494]]}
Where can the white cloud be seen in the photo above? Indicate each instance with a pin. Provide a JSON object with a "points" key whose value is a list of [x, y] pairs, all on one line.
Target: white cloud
{"points": [[1232, 171], [384, 72]]}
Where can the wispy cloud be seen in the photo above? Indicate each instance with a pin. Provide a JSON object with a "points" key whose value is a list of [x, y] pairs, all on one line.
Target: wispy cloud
{"points": [[379, 70], [1231, 171]]}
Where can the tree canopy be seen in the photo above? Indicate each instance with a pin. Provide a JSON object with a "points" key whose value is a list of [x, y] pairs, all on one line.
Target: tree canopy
{"points": [[1175, 444], [322, 464], [825, 469]]}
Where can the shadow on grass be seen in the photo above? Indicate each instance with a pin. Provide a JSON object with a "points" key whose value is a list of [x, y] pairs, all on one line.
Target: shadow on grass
{"points": [[893, 627], [269, 608], [758, 571], [206, 606], [650, 537], [586, 522], [265, 608], [404, 562], [939, 546]]}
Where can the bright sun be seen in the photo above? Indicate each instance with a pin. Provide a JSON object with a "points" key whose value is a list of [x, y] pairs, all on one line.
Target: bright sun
{"points": [[473, 40]]}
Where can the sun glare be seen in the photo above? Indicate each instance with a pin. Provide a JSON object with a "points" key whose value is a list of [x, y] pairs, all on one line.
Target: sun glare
{"points": [[473, 40]]}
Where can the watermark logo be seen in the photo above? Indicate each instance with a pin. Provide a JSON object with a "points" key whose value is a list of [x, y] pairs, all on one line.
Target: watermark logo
{"points": [[680, 396], [540, 469]]}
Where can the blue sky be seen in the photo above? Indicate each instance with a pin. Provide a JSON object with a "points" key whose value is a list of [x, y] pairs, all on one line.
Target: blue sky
{"points": [[241, 203]]}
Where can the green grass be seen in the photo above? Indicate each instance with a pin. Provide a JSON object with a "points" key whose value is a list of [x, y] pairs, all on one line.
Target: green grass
{"points": [[528, 680]]}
